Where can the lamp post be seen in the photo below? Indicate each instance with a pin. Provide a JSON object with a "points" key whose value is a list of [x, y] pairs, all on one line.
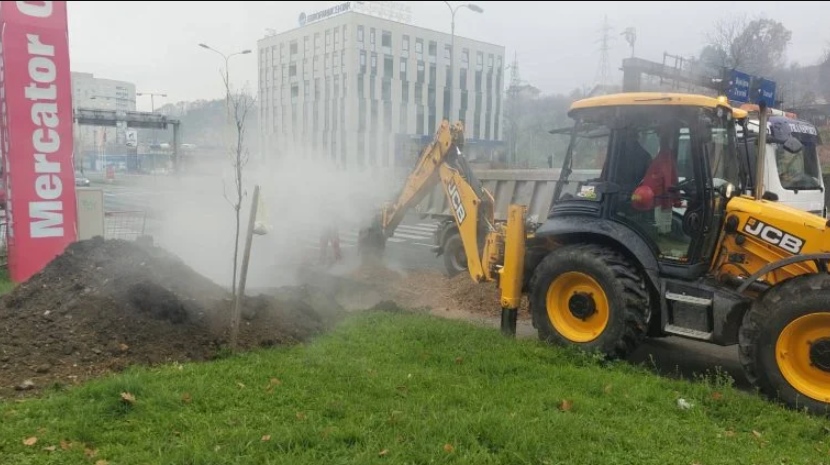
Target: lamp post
{"points": [[152, 106], [227, 72], [472, 7]]}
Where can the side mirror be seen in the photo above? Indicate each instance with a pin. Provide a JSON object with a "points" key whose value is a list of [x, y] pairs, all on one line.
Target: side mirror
{"points": [[793, 145], [727, 190]]}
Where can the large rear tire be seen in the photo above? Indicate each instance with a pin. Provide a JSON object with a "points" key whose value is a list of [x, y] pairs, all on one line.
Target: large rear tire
{"points": [[591, 297], [455, 258], [784, 343]]}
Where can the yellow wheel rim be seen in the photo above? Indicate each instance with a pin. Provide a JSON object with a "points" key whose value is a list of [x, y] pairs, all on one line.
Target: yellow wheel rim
{"points": [[577, 306], [802, 355]]}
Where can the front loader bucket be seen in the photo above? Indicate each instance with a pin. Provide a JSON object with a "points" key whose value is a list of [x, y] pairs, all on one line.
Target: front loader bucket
{"points": [[371, 241]]}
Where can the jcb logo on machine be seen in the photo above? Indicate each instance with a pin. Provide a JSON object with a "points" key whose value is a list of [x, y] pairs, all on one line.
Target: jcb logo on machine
{"points": [[774, 235], [455, 200]]}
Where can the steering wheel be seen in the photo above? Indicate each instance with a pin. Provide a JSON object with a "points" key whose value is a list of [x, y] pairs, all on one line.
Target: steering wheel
{"points": [[686, 188]]}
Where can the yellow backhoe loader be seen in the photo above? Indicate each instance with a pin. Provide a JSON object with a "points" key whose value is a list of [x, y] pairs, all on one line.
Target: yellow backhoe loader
{"points": [[662, 239]]}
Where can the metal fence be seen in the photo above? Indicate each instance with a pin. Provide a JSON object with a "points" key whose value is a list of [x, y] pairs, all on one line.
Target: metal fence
{"points": [[126, 225]]}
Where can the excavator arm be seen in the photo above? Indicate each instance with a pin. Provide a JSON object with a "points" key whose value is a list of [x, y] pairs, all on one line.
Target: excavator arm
{"points": [[471, 205], [495, 251]]}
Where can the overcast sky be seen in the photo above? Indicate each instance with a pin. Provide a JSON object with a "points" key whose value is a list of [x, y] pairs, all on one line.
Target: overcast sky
{"points": [[154, 44]]}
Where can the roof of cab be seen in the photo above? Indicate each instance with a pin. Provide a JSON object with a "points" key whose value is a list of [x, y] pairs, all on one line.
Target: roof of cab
{"points": [[649, 98]]}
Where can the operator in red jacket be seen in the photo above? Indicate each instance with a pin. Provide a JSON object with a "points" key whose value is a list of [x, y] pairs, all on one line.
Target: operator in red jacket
{"points": [[653, 190]]}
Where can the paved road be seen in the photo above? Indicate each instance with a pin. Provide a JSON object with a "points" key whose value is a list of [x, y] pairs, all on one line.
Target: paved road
{"points": [[409, 249]]}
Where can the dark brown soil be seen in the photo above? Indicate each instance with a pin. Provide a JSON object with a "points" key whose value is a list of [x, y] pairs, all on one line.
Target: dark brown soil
{"points": [[105, 305]]}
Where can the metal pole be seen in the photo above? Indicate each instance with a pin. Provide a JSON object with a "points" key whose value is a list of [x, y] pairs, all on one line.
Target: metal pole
{"points": [[243, 272]]}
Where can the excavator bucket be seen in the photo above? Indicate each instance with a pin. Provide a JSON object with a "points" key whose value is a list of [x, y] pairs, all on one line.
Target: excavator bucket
{"points": [[371, 241]]}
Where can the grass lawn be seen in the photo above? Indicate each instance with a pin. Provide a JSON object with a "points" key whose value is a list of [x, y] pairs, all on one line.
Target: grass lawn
{"points": [[406, 388], [6, 284]]}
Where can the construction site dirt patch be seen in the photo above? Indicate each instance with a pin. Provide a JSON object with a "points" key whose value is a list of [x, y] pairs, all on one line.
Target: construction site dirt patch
{"points": [[104, 305], [434, 290]]}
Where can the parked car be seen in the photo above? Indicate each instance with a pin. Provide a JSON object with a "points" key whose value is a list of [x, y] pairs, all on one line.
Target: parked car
{"points": [[81, 180]]}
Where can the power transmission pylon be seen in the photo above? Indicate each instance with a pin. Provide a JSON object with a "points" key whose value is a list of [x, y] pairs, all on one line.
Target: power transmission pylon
{"points": [[604, 47]]}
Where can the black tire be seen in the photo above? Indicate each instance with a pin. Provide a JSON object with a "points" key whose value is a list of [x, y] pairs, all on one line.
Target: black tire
{"points": [[455, 259], [623, 289], [764, 325]]}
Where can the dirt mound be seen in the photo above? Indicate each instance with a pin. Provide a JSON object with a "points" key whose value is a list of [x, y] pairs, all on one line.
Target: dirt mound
{"points": [[107, 304]]}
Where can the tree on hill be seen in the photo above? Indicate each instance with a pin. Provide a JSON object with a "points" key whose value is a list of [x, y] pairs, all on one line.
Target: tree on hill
{"points": [[755, 46]]}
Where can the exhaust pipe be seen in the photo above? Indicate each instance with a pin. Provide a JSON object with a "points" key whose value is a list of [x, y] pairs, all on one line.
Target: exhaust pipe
{"points": [[761, 159]]}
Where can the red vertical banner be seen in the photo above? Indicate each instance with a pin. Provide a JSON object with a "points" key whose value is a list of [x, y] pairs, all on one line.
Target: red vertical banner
{"points": [[37, 134]]}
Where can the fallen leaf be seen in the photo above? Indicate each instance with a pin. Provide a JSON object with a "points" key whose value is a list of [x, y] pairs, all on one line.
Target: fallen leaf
{"points": [[267, 437], [241, 386], [101, 462], [383, 452], [50, 448], [127, 397], [275, 382], [448, 448], [300, 416], [90, 452], [459, 360], [30, 441], [565, 405], [186, 398], [123, 347], [717, 395], [66, 445], [757, 434], [729, 433], [607, 389]]}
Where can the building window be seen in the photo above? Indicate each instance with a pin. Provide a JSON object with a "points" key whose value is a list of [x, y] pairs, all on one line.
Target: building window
{"points": [[293, 47], [447, 52], [490, 61], [433, 51], [403, 69], [419, 49], [360, 34], [479, 61], [363, 61], [372, 36], [405, 46], [465, 57], [386, 42]]}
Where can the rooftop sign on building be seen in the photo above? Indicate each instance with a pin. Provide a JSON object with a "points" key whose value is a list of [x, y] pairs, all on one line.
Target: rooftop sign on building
{"points": [[395, 11], [323, 14]]}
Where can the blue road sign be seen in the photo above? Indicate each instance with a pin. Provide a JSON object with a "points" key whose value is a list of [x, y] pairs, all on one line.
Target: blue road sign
{"points": [[738, 89], [766, 91]]}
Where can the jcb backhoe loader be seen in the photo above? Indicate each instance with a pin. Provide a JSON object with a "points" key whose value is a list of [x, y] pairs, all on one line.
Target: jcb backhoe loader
{"points": [[663, 241]]}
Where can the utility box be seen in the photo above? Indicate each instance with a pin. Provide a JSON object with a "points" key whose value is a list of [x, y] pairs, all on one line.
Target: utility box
{"points": [[90, 212]]}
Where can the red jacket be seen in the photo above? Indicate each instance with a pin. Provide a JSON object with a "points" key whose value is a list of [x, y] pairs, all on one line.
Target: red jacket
{"points": [[661, 174]]}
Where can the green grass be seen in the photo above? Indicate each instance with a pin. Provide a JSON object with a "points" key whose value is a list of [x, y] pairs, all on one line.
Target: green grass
{"points": [[6, 284], [406, 388]]}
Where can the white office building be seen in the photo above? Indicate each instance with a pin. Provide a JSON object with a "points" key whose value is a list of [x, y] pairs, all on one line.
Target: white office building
{"points": [[366, 92], [91, 92]]}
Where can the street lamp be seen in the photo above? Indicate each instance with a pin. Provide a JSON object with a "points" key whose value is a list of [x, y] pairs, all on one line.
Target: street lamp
{"points": [[226, 58], [472, 7]]}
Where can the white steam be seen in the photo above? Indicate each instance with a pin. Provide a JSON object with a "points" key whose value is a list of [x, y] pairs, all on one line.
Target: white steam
{"points": [[196, 221]]}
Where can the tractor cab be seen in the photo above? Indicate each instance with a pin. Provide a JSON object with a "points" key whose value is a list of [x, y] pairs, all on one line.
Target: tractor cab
{"points": [[655, 168]]}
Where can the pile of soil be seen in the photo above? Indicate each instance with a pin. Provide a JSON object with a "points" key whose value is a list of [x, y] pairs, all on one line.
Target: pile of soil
{"points": [[106, 304]]}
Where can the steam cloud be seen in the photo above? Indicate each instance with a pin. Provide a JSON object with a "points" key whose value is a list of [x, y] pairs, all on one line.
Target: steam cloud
{"points": [[195, 220]]}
